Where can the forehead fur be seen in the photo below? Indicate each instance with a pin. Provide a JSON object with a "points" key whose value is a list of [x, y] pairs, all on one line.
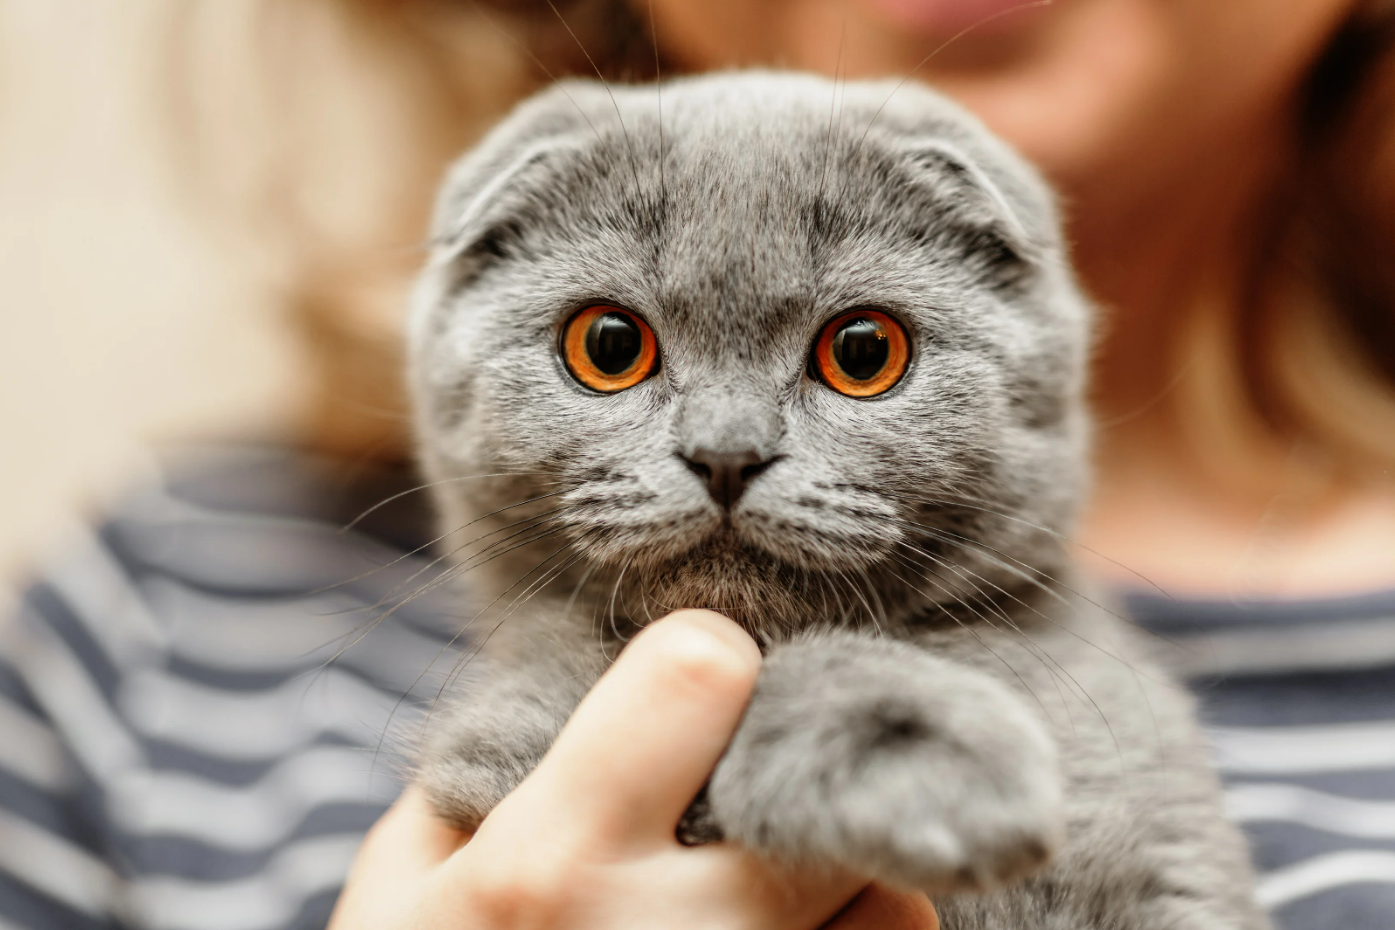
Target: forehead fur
{"points": [[759, 195], [727, 135]]}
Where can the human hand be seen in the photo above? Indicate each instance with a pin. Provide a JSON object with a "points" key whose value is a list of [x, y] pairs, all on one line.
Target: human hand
{"points": [[587, 840]]}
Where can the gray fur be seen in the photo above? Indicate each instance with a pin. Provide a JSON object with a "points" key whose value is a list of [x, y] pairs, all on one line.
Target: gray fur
{"points": [[939, 707]]}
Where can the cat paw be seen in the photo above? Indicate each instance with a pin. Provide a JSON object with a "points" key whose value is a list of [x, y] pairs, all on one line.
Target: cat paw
{"points": [[902, 767], [920, 807]]}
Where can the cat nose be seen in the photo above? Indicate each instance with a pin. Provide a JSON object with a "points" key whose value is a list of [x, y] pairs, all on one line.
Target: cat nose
{"points": [[726, 474]]}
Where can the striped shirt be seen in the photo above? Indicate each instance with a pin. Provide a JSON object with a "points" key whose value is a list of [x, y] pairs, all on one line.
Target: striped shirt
{"points": [[200, 717], [1299, 701]]}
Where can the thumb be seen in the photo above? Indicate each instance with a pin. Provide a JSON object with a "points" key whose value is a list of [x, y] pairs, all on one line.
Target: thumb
{"points": [[881, 908]]}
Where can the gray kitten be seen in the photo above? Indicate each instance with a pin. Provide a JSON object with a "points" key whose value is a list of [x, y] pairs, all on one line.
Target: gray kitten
{"points": [[810, 355]]}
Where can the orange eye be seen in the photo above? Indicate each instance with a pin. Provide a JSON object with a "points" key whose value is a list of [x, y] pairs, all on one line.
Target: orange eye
{"points": [[862, 353], [608, 349]]}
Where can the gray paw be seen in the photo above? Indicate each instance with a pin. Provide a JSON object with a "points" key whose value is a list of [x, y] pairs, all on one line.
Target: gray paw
{"points": [[892, 762]]}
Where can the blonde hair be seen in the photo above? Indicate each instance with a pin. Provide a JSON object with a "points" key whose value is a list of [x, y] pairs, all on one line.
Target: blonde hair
{"points": [[330, 147]]}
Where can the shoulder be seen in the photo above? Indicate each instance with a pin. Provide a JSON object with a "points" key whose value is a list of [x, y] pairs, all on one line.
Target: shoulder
{"points": [[207, 699]]}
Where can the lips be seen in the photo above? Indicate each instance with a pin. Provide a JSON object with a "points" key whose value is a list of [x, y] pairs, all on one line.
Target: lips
{"points": [[946, 17]]}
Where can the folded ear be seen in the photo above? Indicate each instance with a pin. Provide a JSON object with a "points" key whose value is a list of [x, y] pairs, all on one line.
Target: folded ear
{"points": [[491, 201], [486, 204], [970, 210], [977, 194], [494, 193]]}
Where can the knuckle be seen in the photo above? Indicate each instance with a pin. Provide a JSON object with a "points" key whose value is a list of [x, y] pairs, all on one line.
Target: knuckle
{"points": [[518, 894]]}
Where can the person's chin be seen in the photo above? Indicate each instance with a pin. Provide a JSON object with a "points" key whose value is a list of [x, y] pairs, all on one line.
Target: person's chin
{"points": [[945, 18]]}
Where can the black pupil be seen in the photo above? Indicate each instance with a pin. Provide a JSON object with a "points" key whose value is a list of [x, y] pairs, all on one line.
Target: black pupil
{"points": [[613, 342], [860, 348]]}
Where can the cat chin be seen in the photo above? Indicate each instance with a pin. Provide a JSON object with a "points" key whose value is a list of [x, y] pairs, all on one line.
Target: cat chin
{"points": [[776, 580], [750, 544], [770, 596]]}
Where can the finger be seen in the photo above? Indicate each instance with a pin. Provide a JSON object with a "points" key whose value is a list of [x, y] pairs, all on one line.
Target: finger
{"points": [[642, 743], [881, 908], [396, 855], [408, 838], [738, 887]]}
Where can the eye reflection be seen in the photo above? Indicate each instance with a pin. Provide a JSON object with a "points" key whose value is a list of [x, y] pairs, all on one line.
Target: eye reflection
{"points": [[613, 343], [861, 348]]}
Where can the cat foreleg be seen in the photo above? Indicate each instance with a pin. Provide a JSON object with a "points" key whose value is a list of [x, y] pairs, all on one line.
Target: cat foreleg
{"points": [[901, 765], [479, 750]]}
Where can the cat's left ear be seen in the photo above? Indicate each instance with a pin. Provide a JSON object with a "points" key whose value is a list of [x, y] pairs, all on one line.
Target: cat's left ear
{"points": [[994, 222]]}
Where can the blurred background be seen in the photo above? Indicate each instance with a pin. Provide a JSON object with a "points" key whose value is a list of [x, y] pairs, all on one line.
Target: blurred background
{"points": [[210, 211], [121, 323]]}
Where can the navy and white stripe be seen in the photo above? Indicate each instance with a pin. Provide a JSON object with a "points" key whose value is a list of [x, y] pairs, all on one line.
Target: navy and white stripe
{"points": [[183, 746], [1299, 699], [181, 743]]}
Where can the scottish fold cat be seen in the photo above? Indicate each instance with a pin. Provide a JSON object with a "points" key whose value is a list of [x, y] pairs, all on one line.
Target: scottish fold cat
{"points": [[812, 355]]}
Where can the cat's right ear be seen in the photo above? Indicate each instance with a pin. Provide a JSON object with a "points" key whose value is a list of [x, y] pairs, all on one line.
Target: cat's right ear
{"points": [[486, 206]]}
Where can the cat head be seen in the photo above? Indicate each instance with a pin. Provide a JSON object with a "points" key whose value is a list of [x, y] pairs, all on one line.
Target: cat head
{"points": [[795, 350]]}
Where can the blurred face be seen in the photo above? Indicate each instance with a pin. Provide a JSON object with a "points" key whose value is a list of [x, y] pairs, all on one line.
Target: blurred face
{"points": [[1113, 98]]}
